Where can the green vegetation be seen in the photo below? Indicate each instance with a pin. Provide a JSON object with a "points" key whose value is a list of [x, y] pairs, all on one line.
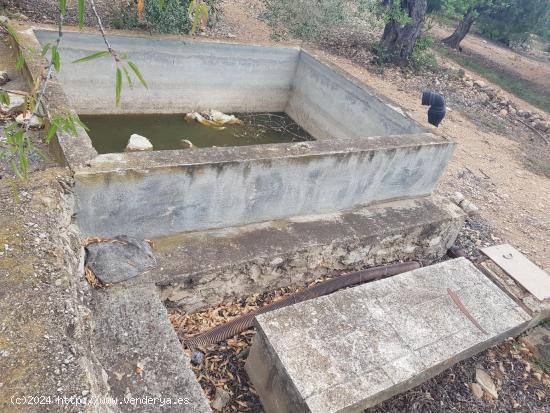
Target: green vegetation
{"points": [[512, 84], [165, 16]]}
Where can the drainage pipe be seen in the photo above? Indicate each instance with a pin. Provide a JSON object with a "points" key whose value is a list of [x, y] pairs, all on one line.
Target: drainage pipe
{"points": [[246, 321], [437, 109]]}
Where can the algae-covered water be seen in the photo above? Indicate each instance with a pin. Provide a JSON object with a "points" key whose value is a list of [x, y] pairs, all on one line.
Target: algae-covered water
{"points": [[110, 133]]}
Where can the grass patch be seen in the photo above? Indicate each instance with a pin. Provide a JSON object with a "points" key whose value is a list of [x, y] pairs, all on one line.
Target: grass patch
{"points": [[513, 84]]}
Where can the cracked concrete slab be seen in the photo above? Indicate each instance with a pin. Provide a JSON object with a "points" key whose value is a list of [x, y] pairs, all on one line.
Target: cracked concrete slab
{"points": [[145, 367], [357, 347]]}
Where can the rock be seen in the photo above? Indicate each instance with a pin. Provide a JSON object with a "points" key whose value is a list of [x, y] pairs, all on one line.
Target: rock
{"points": [[16, 105], [544, 126], [476, 390], [138, 143], [480, 83], [4, 78], [503, 112], [4, 20], [484, 97], [511, 110], [522, 113], [187, 144], [486, 383], [221, 398], [34, 121], [469, 83], [119, 259], [197, 357]]}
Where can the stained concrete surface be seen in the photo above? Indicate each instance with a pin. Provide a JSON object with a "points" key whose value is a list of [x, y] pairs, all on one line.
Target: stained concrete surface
{"points": [[352, 349], [173, 192], [202, 268], [140, 354]]}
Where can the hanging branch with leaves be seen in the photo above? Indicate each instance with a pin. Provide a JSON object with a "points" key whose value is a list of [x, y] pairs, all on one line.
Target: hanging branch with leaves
{"points": [[18, 145]]}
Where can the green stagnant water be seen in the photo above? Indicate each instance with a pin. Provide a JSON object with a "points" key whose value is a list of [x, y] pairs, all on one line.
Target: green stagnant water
{"points": [[110, 133]]}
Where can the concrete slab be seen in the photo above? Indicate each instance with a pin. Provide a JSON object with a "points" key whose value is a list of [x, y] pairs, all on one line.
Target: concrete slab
{"points": [[521, 269], [355, 348], [203, 268], [142, 359]]}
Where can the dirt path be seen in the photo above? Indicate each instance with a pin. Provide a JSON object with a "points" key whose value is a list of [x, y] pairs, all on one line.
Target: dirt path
{"points": [[536, 72]]}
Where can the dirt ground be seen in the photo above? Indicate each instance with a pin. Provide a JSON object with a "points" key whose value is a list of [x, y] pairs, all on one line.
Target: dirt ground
{"points": [[535, 69]]}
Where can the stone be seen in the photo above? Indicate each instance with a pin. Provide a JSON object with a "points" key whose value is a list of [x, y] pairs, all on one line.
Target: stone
{"points": [[119, 259], [544, 126], [538, 342], [34, 121], [221, 398], [197, 357], [16, 105], [350, 350], [138, 143], [4, 78], [486, 383], [469, 83], [476, 390], [480, 84], [4, 20], [503, 112], [511, 110], [187, 144]]}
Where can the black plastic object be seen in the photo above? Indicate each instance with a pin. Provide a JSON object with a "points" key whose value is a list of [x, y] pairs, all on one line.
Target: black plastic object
{"points": [[437, 110]]}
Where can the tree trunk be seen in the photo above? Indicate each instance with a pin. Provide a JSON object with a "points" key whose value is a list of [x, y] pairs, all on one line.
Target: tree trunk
{"points": [[461, 30], [399, 39]]}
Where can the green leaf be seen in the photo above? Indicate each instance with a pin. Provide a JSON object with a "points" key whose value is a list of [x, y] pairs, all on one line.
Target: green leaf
{"points": [[93, 56], [45, 49], [138, 73], [15, 169], [51, 132], [80, 13], [4, 98], [63, 7], [118, 85], [20, 61], [10, 30], [56, 59], [128, 78], [80, 123]]}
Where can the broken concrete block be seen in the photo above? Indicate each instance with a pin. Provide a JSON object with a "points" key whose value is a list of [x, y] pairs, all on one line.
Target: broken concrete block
{"points": [[350, 350], [138, 143], [119, 259]]}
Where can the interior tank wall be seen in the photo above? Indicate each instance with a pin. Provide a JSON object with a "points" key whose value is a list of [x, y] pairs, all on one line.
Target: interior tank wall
{"points": [[329, 105], [182, 75]]}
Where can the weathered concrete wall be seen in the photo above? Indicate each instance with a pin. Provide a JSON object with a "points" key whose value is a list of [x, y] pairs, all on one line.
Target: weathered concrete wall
{"points": [[166, 192], [182, 75], [201, 269], [329, 104]]}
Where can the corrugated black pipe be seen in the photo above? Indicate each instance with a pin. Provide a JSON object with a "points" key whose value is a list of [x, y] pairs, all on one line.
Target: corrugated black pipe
{"points": [[246, 321], [437, 110]]}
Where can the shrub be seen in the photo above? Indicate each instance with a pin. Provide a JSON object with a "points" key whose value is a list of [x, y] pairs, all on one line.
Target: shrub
{"points": [[163, 16], [311, 19]]}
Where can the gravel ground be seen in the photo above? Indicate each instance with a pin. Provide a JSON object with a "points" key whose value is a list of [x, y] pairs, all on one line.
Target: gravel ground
{"points": [[47, 11]]}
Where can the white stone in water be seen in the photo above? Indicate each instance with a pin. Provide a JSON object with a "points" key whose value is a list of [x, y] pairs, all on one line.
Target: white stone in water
{"points": [[138, 143]]}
